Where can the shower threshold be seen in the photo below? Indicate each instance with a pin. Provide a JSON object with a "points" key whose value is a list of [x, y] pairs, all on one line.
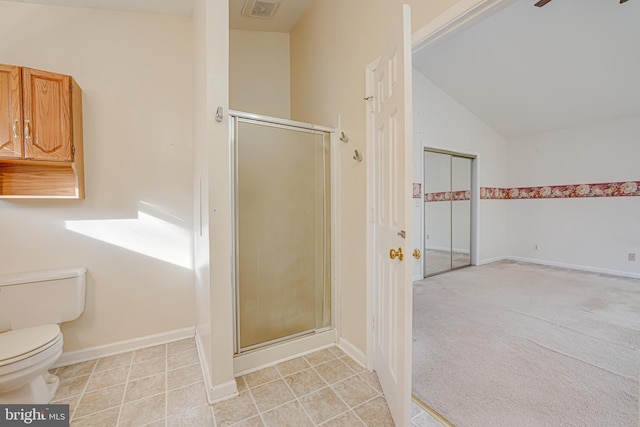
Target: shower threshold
{"points": [[286, 349], [282, 339]]}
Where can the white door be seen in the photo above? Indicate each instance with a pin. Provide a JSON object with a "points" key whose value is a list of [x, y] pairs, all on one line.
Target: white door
{"points": [[393, 219]]}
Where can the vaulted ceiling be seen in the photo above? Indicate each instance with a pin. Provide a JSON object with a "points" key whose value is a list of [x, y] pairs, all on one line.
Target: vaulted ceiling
{"points": [[526, 69]]}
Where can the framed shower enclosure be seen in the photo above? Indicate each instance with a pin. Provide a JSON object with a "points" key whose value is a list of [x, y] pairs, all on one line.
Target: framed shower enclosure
{"points": [[283, 230]]}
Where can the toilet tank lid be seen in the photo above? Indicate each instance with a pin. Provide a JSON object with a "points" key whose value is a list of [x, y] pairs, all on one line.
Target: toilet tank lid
{"points": [[40, 276]]}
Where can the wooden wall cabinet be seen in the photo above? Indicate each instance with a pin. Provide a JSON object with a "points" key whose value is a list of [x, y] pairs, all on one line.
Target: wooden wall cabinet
{"points": [[40, 135]]}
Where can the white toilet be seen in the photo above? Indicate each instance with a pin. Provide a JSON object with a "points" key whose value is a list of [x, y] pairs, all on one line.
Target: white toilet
{"points": [[31, 307]]}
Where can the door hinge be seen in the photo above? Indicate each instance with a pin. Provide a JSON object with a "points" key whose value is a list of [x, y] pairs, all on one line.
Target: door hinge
{"points": [[373, 323], [73, 150]]}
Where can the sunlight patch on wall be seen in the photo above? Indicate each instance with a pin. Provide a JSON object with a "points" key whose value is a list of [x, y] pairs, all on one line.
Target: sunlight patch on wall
{"points": [[146, 234]]}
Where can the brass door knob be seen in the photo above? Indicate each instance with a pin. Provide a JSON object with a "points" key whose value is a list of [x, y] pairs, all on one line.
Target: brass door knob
{"points": [[396, 254], [416, 253]]}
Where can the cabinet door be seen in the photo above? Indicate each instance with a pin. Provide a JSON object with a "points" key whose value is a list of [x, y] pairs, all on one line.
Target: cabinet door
{"points": [[10, 113], [47, 115]]}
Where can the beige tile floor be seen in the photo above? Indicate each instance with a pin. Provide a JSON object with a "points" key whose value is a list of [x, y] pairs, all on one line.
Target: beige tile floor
{"points": [[163, 386], [421, 418]]}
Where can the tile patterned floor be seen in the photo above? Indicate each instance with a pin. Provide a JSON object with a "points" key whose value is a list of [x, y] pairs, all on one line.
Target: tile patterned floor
{"points": [[421, 418], [163, 386]]}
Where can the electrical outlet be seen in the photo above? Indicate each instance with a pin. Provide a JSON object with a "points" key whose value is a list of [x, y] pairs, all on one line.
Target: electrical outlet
{"points": [[632, 256]]}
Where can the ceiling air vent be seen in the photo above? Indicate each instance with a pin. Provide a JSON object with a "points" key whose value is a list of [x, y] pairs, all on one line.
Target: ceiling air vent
{"points": [[260, 8]]}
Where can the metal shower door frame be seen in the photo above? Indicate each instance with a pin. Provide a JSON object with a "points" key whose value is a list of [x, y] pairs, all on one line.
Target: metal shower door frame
{"points": [[328, 134]]}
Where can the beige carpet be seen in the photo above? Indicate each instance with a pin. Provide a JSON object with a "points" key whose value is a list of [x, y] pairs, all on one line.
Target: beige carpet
{"points": [[515, 344]]}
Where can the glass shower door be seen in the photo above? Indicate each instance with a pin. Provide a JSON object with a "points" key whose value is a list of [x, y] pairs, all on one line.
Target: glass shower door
{"points": [[282, 232]]}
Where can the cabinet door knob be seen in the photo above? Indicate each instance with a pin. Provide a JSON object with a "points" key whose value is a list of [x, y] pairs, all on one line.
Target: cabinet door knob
{"points": [[16, 128], [27, 129]]}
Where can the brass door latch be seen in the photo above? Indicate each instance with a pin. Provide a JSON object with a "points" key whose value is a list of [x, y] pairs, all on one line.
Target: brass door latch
{"points": [[396, 254]]}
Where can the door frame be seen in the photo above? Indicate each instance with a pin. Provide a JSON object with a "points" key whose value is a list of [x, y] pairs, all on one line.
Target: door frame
{"points": [[462, 15]]}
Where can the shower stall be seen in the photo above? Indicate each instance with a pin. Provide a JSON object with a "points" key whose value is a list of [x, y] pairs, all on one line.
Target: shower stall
{"points": [[282, 227]]}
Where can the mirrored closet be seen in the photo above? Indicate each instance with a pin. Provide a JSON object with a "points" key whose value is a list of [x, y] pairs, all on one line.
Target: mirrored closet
{"points": [[447, 211]]}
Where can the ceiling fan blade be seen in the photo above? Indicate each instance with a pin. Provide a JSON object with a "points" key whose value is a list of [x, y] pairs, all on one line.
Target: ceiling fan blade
{"points": [[543, 2]]}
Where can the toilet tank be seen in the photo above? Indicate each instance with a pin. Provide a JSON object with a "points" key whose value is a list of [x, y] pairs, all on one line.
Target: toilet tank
{"points": [[41, 297]]}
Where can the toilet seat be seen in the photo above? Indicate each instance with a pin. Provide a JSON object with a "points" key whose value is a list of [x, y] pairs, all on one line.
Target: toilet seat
{"points": [[21, 344], [23, 374]]}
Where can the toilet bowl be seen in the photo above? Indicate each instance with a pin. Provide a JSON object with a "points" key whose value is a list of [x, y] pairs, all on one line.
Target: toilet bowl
{"points": [[31, 306], [25, 357]]}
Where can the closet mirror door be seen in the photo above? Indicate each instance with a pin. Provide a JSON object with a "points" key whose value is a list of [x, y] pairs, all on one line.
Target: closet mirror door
{"points": [[437, 213], [460, 211]]}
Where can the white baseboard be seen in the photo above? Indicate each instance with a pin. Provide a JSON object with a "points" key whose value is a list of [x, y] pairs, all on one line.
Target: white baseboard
{"points": [[576, 267], [272, 355], [353, 352], [490, 260], [561, 265], [77, 356], [221, 391]]}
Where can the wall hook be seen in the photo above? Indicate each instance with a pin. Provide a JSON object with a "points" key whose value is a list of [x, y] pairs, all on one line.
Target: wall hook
{"points": [[344, 137], [357, 156], [219, 114]]}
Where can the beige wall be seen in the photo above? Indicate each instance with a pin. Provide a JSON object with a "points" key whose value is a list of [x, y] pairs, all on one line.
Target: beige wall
{"points": [[330, 48], [259, 73], [136, 72]]}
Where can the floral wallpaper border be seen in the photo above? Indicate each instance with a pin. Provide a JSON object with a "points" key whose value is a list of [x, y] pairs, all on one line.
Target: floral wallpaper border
{"points": [[606, 189], [417, 189], [447, 195]]}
